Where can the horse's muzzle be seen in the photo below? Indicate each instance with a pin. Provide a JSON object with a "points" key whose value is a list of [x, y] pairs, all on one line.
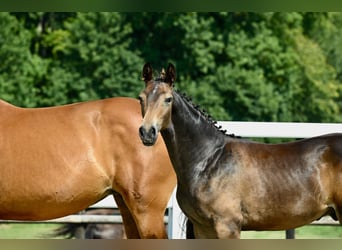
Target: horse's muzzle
{"points": [[148, 137]]}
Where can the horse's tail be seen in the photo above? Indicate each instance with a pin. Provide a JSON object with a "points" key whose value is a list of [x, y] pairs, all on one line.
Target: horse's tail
{"points": [[69, 231], [189, 229]]}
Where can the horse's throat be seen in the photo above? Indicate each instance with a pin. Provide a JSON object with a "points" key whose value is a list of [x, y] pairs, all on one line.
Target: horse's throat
{"points": [[190, 141]]}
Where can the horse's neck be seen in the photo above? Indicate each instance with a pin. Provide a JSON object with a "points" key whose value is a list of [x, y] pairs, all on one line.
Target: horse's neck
{"points": [[191, 139]]}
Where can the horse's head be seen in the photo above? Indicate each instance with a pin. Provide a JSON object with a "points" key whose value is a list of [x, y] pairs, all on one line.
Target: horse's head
{"points": [[156, 103]]}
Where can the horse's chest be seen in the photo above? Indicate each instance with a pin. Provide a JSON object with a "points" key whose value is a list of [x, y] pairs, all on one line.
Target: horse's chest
{"points": [[209, 198]]}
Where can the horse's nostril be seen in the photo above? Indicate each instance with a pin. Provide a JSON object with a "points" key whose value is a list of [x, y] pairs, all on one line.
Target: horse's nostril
{"points": [[141, 131], [153, 131]]}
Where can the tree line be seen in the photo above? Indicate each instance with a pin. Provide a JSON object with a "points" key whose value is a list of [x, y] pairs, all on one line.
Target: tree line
{"points": [[246, 66]]}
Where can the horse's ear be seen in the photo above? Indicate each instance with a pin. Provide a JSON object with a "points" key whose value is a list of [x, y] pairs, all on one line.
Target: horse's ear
{"points": [[170, 75], [147, 73]]}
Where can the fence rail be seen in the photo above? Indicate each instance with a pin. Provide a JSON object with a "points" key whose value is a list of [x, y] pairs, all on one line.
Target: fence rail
{"points": [[326, 221], [80, 218], [243, 129], [76, 218]]}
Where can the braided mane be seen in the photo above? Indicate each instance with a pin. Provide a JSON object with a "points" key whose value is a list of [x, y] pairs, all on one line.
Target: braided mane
{"points": [[205, 114]]}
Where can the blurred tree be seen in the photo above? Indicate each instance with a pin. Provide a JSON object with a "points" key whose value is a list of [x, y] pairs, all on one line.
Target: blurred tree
{"points": [[269, 68], [93, 59], [19, 69], [240, 66], [187, 40], [325, 29], [243, 66], [73, 57]]}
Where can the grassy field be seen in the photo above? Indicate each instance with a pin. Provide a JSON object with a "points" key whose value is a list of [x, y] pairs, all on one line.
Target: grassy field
{"points": [[27, 231], [44, 231], [306, 232]]}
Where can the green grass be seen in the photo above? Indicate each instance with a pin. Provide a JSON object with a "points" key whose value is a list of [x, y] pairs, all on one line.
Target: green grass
{"points": [[306, 232], [27, 231], [44, 231]]}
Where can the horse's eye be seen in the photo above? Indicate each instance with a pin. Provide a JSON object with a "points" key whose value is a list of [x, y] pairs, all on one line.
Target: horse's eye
{"points": [[168, 100]]}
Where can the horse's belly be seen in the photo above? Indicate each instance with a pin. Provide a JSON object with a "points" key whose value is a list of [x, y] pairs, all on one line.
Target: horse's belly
{"points": [[52, 192], [282, 219], [43, 209], [41, 202]]}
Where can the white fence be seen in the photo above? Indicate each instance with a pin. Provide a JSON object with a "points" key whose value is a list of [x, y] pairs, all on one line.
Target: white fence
{"points": [[175, 217], [280, 129]]}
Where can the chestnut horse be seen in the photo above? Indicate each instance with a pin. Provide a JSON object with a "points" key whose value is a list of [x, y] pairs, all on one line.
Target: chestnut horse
{"points": [[226, 184], [57, 161]]}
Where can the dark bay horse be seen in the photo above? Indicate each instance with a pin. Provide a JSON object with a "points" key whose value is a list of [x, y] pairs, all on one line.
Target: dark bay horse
{"points": [[57, 161], [226, 184]]}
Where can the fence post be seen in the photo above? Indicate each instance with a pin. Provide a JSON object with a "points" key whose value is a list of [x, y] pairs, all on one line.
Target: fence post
{"points": [[175, 228], [290, 234]]}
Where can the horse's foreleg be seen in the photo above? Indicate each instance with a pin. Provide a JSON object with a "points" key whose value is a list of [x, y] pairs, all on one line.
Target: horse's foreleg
{"points": [[151, 224], [219, 229], [337, 213], [190, 234], [147, 218], [227, 229], [130, 226]]}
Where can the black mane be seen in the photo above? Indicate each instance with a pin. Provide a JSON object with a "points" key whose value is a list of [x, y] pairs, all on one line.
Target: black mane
{"points": [[205, 114]]}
